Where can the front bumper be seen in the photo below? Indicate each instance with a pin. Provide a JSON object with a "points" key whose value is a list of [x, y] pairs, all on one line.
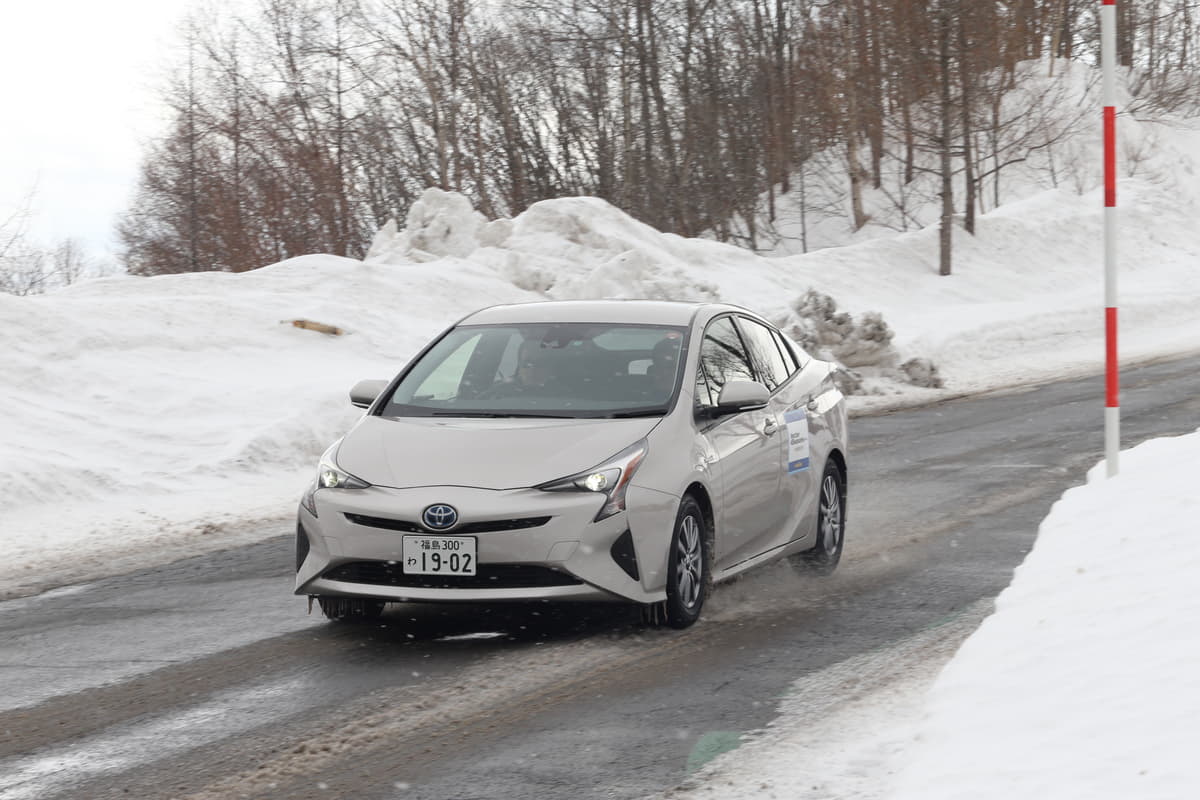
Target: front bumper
{"points": [[345, 551]]}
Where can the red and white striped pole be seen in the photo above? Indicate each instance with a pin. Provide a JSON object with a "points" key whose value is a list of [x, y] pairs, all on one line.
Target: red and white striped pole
{"points": [[1108, 66]]}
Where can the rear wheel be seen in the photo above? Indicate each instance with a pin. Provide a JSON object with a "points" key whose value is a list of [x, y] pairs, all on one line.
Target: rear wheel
{"points": [[824, 556], [350, 609], [687, 568]]}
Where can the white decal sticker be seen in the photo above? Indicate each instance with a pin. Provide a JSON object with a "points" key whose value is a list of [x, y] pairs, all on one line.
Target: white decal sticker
{"points": [[797, 429]]}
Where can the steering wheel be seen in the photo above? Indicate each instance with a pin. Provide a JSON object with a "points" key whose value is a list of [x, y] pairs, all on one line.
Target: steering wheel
{"points": [[499, 391]]}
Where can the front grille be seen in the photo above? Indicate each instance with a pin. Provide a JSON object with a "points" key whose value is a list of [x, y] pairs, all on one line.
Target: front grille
{"points": [[471, 527], [389, 524], [501, 525], [488, 576]]}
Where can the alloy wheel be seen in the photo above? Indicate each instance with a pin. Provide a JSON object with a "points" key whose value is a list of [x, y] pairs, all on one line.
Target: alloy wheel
{"points": [[689, 563], [831, 514]]}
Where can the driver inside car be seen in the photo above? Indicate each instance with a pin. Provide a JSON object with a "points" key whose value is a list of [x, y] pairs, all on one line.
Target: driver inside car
{"points": [[664, 364], [532, 370], [531, 377]]}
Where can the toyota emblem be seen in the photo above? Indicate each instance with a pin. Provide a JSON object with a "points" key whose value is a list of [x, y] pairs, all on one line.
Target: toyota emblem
{"points": [[440, 517]]}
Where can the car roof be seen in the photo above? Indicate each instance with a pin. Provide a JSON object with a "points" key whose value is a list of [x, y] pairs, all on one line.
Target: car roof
{"points": [[645, 312]]}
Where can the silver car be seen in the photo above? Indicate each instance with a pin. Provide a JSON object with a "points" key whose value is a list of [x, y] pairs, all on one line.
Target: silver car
{"points": [[631, 451]]}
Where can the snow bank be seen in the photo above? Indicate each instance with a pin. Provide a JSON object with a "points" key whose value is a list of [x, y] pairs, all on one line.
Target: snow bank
{"points": [[151, 418], [439, 224], [1083, 683]]}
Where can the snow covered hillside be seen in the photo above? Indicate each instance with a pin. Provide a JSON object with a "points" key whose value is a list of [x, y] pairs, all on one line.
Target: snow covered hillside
{"points": [[154, 417]]}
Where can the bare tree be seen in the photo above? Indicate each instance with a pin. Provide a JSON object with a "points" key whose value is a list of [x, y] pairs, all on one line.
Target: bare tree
{"points": [[23, 269], [300, 126], [69, 262]]}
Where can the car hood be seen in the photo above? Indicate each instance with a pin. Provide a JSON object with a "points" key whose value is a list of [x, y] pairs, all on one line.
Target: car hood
{"points": [[405, 452]]}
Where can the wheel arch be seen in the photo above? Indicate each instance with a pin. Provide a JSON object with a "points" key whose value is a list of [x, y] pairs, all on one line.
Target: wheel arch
{"points": [[697, 491], [836, 456]]}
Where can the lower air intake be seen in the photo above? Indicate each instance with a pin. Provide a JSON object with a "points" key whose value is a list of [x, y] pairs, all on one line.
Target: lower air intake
{"points": [[488, 576], [301, 545]]}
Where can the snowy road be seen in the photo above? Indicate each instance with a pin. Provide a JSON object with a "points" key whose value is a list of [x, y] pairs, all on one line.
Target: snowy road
{"points": [[204, 679]]}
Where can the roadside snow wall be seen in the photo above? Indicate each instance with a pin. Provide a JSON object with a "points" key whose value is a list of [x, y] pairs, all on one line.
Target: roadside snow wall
{"points": [[585, 248]]}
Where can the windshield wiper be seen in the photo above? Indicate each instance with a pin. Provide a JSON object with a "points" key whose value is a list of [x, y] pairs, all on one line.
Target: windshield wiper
{"points": [[656, 412], [465, 414], [498, 415]]}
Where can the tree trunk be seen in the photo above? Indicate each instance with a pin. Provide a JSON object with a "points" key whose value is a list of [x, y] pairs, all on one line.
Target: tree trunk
{"points": [[965, 78], [945, 240], [652, 200], [670, 191], [1126, 33], [856, 172], [910, 141], [873, 62], [193, 199], [852, 127], [786, 96], [803, 201]]}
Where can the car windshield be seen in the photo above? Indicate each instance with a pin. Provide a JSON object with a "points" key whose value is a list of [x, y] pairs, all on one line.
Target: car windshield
{"points": [[544, 370]]}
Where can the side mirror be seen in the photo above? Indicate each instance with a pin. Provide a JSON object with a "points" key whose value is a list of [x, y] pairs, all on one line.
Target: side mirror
{"points": [[738, 396], [365, 392]]}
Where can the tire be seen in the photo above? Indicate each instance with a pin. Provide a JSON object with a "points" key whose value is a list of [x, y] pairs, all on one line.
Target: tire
{"points": [[823, 557], [350, 609], [688, 573]]}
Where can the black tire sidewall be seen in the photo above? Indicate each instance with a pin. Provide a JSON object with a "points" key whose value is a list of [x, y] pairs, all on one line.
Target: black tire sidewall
{"points": [[678, 614], [817, 559]]}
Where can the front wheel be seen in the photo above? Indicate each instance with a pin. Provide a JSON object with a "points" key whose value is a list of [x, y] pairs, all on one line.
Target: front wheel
{"points": [[687, 566], [350, 609], [823, 557]]}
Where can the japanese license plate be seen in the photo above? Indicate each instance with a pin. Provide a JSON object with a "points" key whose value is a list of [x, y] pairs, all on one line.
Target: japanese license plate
{"points": [[439, 555]]}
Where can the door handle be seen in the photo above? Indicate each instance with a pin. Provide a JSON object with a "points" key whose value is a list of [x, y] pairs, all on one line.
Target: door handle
{"points": [[811, 405], [770, 426]]}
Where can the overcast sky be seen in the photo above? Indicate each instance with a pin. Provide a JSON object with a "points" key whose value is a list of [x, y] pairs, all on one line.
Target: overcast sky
{"points": [[79, 98]]}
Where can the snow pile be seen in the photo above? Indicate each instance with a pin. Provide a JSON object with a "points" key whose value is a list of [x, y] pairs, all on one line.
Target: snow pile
{"points": [[585, 248], [147, 418], [572, 248], [439, 224], [865, 343], [1084, 681]]}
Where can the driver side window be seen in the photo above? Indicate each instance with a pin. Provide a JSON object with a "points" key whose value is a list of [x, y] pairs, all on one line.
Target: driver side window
{"points": [[722, 359]]}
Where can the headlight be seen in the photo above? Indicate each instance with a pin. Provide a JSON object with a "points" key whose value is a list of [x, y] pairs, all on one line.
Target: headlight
{"points": [[330, 476], [610, 479]]}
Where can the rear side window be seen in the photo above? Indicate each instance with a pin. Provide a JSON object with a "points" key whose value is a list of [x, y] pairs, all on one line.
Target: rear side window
{"points": [[723, 358], [789, 351], [764, 353]]}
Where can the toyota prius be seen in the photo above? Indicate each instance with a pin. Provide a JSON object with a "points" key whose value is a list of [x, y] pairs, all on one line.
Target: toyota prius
{"points": [[628, 451]]}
